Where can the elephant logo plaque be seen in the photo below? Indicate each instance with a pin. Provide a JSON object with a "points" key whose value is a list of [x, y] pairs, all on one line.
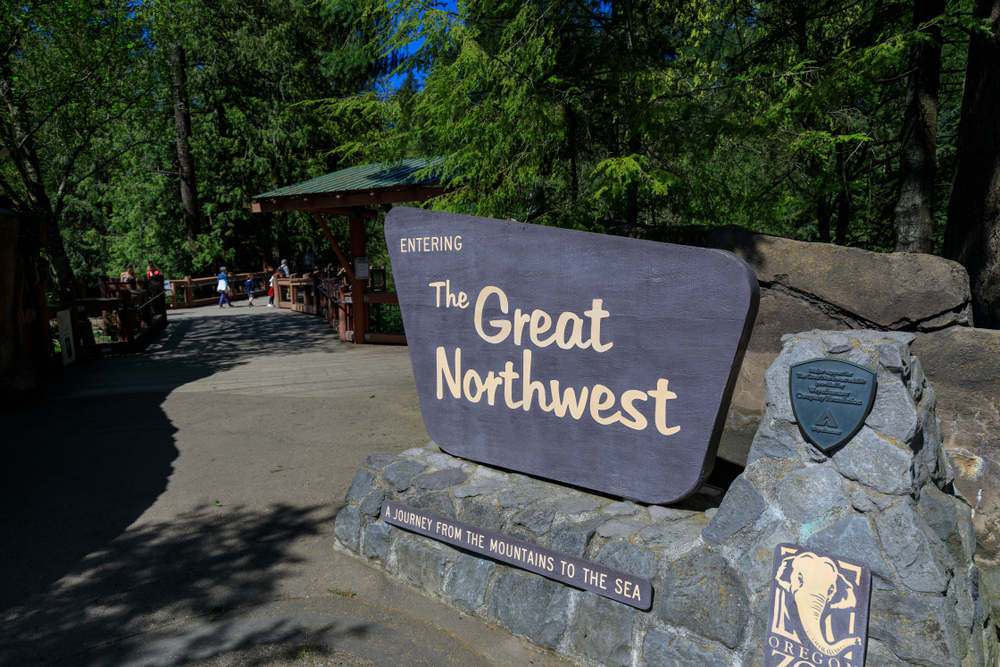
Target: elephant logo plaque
{"points": [[831, 399], [819, 609]]}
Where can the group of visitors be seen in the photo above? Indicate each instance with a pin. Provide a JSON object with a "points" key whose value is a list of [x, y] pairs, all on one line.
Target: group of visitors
{"points": [[128, 275], [225, 284]]}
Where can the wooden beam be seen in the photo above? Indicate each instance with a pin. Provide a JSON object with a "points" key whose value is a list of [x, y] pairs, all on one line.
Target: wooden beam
{"points": [[347, 212], [373, 198], [348, 267]]}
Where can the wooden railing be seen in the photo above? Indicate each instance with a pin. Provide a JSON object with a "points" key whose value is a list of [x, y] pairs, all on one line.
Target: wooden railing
{"points": [[350, 317], [132, 316], [184, 290]]}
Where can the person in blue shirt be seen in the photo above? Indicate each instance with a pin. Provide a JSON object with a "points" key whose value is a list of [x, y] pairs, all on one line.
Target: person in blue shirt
{"points": [[223, 287], [248, 287]]}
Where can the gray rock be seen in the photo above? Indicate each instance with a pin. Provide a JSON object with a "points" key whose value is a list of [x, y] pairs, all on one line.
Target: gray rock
{"points": [[740, 508], [906, 539], [894, 413], [876, 462], [960, 592], [620, 509], [867, 287], [439, 503], [673, 533], [776, 377], [756, 563], [440, 479], [917, 379], [444, 461], [421, 565], [360, 485], [573, 538], [663, 649], [378, 539], [836, 342], [894, 357], [628, 558], [861, 358], [482, 515], [853, 537], [531, 606], [378, 461], [347, 527], [602, 631], [521, 494], [536, 518], [468, 582], [480, 487], [577, 504], [921, 630], [879, 655], [619, 528], [810, 493], [870, 501], [372, 503], [400, 474], [775, 441], [701, 592], [658, 513], [951, 521]]}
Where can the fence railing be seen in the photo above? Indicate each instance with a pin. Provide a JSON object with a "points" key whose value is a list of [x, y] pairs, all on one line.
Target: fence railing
{"points": [[57, 334]]}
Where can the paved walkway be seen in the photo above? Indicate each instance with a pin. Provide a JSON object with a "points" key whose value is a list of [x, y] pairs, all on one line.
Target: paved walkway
{"points": [[177, 507]]}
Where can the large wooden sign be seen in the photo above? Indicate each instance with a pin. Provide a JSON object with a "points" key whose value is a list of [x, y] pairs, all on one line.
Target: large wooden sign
{"points": [[584, 574], [818, 613], [602, 362]]}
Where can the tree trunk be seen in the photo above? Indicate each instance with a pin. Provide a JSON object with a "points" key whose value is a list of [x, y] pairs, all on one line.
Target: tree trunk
{"points": [[21, 144], [9, 317], [182, 124], [973, 233], [913, 219]]}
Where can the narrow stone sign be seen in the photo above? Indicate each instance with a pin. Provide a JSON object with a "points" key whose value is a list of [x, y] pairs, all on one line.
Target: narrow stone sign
{"points": [[831, 399], [625, 588], [603, 362], [819, 610]]}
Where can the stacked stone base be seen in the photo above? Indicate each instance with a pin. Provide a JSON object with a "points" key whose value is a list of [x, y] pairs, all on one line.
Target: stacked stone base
{"points": [[886, 499]]}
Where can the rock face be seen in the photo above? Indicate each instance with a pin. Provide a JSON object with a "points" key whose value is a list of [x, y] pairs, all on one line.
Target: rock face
{"points": [[887, 498], [805, 286]]}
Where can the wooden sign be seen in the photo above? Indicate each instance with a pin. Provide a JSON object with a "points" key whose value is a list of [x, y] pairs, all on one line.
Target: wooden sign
{"points": [[819, 609], [589, 576], [602, 362]]}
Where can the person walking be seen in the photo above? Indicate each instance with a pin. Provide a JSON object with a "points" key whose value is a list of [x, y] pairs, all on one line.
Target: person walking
{"points": [[223, 287], [248, 288], [274, 287]]}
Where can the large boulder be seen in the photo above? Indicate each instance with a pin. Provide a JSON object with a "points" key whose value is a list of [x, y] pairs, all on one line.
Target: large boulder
{"points": [[858, 288]]}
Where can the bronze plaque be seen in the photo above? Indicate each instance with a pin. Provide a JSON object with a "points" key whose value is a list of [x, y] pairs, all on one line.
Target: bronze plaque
{"points": [[584, 574], [598, 361], [819, 609], [831, 399]]}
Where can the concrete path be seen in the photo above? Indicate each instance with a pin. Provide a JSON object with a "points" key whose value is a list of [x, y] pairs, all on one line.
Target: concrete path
{"points": [[176, 507]]}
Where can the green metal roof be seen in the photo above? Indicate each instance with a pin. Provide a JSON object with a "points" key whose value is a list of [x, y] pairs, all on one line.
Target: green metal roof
{"points": [[364, 178]]}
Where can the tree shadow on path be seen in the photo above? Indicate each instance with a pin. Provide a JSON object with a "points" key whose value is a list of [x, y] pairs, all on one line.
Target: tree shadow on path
{"points": [[81, 467]]}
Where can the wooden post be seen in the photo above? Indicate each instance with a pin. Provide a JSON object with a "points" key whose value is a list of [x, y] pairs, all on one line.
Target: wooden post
{"points": [[358, 287], [126, 319], [336, 248], [188, 292], [42, 343]]}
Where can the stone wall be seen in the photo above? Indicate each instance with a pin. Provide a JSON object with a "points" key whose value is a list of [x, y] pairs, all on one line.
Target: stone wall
{"points": [[886, 498], [808, 286]]}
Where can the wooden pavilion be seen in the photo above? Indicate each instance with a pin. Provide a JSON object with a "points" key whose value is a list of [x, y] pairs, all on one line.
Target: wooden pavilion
{"points": [[352, 193]]}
